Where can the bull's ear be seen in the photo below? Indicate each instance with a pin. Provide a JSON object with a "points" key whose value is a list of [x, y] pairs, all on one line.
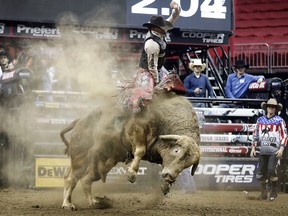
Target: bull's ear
{"points": [[194, 167]]}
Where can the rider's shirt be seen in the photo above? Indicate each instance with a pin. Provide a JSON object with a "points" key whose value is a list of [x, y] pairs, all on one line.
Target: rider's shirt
{"points": [[153, 53], [270, 133]]}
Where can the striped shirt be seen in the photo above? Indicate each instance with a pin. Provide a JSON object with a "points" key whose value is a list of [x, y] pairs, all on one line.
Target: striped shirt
{"points": [[271, 133]]}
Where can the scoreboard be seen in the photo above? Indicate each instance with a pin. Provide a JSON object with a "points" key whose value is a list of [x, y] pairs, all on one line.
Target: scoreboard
{"points": [[209, 15]]}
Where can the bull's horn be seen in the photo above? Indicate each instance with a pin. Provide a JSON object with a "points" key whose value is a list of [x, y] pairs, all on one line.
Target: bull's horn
{"points": [[194, 167], [170, 137]]}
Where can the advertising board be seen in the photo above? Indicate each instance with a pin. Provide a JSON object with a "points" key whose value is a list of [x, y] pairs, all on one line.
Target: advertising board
{"points": [[212, 173], [226, 173], [112, 34], [49, 172]]}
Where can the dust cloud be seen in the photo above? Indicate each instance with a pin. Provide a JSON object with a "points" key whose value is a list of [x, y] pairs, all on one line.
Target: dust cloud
{"points": [[83, 63]]}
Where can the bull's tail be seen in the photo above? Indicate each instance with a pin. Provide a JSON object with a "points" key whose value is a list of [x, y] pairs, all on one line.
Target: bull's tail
{"points": [[66, 130]]}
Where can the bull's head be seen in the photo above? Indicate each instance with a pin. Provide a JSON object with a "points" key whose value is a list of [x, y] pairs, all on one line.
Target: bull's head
{"points": [[182, 153]]}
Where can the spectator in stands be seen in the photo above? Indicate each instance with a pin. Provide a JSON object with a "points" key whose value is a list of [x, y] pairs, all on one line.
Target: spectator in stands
{"points": [[24, 57], [46, 75], [183, 71], [238, 83], [2, 48], [198, 83], [5, 63], [270, 133], [138, 92]]}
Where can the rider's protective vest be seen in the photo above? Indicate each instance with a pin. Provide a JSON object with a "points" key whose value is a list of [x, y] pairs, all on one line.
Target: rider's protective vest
{"points": [[162, 43]]}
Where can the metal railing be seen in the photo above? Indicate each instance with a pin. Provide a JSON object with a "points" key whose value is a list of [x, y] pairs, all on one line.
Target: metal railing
{"points": [[262, 56], [279, 56], [257, 55]]}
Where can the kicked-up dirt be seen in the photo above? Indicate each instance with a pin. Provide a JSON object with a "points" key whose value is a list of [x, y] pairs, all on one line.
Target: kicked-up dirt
{"points": [[148, 202]]}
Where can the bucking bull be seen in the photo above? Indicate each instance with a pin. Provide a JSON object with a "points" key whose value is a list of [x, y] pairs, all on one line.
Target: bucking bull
{"points": [[166, 132]]}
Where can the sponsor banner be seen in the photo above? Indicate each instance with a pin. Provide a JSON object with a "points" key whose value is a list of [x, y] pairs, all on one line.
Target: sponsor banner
{"points": [[49, 171], [54, 121], [233, 112], [4, 29], [228, 127], [181, 36], [224, 149], [255, 86], [8, 76], [226, 138], [199, 37], [211, 173], [58, 105], [135, 35], [36, 30], [100, 33], [227, 173]]}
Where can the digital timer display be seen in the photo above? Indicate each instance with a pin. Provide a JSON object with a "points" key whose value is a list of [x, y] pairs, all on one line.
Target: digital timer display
{"points": [[195, 14], [210, 15]]}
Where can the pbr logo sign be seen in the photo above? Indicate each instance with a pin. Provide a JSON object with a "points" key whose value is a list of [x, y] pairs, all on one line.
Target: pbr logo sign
{"points": [[215, 174]]}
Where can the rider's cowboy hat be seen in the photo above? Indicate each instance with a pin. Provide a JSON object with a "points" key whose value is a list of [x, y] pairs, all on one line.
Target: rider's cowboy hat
{"points": [[272, 102], [197, 62], [158, 21], [241, 64]]}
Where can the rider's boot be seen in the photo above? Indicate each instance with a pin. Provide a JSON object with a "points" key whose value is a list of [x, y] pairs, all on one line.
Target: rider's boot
{"points": [[274, 191], [264, 191]]}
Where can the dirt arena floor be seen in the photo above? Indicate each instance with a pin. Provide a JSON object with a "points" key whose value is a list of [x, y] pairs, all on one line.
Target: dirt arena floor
{"points": [[148, 202]]}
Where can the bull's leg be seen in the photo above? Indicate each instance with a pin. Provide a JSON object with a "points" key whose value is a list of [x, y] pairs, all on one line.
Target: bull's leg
{"points": [[138, 140], [98, 170], [86, 185], [90, 176], [69, 185], [132, 170]]}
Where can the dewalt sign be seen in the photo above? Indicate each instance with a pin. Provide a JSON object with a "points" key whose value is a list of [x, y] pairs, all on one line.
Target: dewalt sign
{"points": [[50, 171]]}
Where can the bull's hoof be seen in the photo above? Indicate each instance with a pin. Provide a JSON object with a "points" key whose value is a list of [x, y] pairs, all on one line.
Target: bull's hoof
{"points": [[165, 186], [69, 206], [131, 177], [103, 203]]}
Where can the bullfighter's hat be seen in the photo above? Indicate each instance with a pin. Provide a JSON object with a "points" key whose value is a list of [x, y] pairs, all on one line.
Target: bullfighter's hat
{"points": [[272, 102]]}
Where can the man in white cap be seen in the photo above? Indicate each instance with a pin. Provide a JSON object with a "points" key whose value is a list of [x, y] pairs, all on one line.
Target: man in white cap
{"points": [[139, 92], [197, 83], [270, 133]]}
